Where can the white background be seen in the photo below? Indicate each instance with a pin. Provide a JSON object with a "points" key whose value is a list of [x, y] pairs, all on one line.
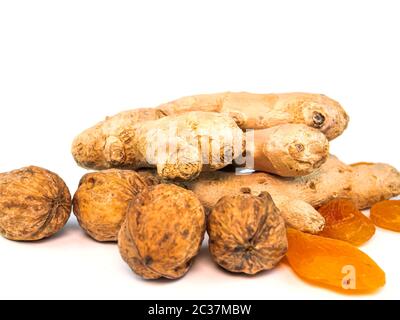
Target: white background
{"points": [[64, 65]]}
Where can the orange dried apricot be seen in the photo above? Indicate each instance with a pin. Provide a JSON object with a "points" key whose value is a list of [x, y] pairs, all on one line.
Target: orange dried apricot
{"points": [[386, 214], [343, 221], [332, 263]]}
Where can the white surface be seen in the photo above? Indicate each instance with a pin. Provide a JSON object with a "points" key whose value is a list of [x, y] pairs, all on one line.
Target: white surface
{"points": [[64, 65]]}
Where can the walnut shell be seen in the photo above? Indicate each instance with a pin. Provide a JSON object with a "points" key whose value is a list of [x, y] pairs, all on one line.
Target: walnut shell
{"points": [[102, 199], [34, 204], [163, 232], [247, 233]]}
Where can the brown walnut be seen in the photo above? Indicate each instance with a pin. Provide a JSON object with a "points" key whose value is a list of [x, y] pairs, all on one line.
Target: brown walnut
{"points": [[247, 233], [163, 232], [34, 204], [102, 199]]}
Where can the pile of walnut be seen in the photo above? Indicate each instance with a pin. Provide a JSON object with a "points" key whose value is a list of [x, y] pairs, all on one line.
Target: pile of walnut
{"points": [[301, 203]]}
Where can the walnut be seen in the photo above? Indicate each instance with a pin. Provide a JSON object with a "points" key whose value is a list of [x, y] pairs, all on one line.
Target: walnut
{"points": [[163, 232], [102, 199], [34, 204], [247, 233]]}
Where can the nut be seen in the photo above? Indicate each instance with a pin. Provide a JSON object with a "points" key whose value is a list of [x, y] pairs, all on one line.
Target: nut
{"points": [[34, 204], [247, 233], [102, 199], [163, 232]]}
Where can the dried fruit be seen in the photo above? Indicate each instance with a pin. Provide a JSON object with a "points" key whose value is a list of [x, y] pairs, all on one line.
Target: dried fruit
{"points": [[343, 221], [333, 263], [386, 214], [163, 232], [102, 199], [247, 233], [34, 204]]}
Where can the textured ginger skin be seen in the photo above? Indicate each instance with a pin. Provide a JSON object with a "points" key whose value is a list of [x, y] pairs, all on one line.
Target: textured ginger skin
{"points": [[297, 214], [163, 232], [289, 150], [34, 204], [102, 200], [123, 141], [247, 233], [260, 111], [372, 183], [108, 143], [365, 184], [296, 197], [219, 138]]}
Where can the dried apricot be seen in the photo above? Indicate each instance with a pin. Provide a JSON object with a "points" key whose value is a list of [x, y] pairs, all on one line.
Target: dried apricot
{"points": [[343, 221], [386, 214], [332, 263]]}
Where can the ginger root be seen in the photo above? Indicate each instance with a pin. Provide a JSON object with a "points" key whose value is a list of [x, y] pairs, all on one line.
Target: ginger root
{"points": [[260, 111], [297, 198], [182, 146], [297, 214], [365, 184], [289, 150]]}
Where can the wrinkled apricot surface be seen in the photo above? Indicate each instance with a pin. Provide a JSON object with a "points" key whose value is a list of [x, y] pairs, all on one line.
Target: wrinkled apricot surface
{"points": [[386, 214], [343, 221], [333, 263]]}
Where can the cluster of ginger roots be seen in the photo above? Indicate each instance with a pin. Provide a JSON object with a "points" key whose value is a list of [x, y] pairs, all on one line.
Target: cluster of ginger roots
{"points": [[283, 137], [260, 166], [253, 170]]}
